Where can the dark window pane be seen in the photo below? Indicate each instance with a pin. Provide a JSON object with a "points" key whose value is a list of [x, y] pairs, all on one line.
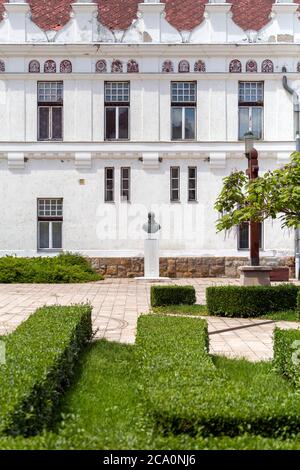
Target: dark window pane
{"points": [[110, 120], [244, 236], [192, 195], [176, 123], [123, 123], [109, 184], [175, 195], [56, 123], [43, 123], [56, 235], [43, 235], [190, 123]]}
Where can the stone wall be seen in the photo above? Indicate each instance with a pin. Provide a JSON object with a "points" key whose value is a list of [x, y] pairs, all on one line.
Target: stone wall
{"points": [[183, 267]]}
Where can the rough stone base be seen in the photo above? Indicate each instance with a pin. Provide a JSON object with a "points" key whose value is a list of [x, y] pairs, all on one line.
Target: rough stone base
{"points": [[184, 267]]}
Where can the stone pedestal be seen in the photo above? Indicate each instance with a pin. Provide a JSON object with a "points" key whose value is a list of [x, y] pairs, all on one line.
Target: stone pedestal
{"points": [[151, 259], [255, 275]]}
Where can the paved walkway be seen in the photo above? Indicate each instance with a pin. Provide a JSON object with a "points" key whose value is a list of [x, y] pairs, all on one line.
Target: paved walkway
{"points": [[117, 304]]}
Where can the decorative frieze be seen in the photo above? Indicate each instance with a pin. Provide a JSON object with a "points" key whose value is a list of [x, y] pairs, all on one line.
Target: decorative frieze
{"points": [[50, 66], [66, 66], [2, 66], [168, 67], [251, 66], [235, 66], [267, 66], [101, 66], [34, 66]]}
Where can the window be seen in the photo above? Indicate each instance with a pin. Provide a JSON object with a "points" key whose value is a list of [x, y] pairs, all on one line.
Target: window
{"points": [[175, 184], [109, 185], [125, 184], [183, 112], [50, 110], [251, 102], [192, 184], [117, 103], [50, 220], [244, 236]]}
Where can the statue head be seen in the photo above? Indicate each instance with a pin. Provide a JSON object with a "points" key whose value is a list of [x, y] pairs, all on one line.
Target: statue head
{"points": [[152, 226]]}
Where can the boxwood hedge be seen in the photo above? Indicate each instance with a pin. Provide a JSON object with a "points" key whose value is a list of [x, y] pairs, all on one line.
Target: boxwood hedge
{"points": [[65, 268], [40, 359], [172, 295], [250, 301], [184, 392], [287, 354]]}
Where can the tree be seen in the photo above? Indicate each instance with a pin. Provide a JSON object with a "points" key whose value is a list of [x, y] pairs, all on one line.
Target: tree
{"points": [[276, 194]]}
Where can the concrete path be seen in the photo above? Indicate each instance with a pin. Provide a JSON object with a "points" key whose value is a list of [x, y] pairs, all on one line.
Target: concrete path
{"points": [[117, 304]]}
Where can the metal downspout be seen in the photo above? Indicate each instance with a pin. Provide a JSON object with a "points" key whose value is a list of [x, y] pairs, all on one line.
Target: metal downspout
{"points": [[296, 101]]}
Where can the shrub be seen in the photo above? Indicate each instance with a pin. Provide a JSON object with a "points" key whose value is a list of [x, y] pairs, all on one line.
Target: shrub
{"points": [[65, 268], [172, 295], [298, 303], [252, 301], [287, 354], [184, 392], [40, 359]]}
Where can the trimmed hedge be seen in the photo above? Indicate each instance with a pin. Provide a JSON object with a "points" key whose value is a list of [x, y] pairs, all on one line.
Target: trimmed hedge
{"points": [[40, 359], [184, 392], [287, 354], [172, 295], [65, 268], [250, 301]]}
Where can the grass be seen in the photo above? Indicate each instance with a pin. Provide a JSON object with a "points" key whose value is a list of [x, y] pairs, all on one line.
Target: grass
{"points": [[201, 310], [65, 268], [103, 410], [193, 310]]}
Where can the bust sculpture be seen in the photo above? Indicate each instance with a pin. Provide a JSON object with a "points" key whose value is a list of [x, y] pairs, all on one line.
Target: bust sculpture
{"points": [[151, 226]]}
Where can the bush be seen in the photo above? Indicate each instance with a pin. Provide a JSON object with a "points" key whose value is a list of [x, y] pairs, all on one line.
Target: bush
{"points": [[40, 359], [172, 295], [298, 303], [287, 354], [65, 268], [252, 301], [184, 392]]}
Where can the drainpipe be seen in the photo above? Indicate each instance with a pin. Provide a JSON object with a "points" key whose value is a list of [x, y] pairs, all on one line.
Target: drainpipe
{"points": [[296, 100]]}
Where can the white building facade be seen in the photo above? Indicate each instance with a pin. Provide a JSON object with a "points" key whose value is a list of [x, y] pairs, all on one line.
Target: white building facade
{"points": [[103, 121]]}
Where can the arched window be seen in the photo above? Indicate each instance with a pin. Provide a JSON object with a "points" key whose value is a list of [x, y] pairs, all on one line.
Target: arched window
{"points": [[132, 66], [50, 66], [2, 66], [117, 66], [235, 66], [101, 66], [251, 66], [168, 66], [199, 66], [267, 66], [66, 66], [183, 66], [34, 66]]}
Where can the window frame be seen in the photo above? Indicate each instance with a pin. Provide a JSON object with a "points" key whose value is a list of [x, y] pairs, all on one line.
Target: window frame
{"points": [[196, 184], [183, 105], [250, 105], [106, 200], [128, 200], [171, 183], [50, 219], [50, 105], [261, 243], [117, 105]]}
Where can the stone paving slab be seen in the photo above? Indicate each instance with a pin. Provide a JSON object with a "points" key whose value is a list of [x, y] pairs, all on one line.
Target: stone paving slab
{"points": [[118, 303]]}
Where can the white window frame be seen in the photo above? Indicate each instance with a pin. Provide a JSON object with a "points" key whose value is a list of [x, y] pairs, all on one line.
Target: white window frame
{"points": [[113, 179], [128, 199], [172, 179], [117, 108], [183, 137], [50, 219], [250, 108], [196, 182], [262, 243], [50, 134], [252, 103]]}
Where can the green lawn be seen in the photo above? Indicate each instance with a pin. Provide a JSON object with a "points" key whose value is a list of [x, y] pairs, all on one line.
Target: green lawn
{"points": [[104, 408], [201, 310]]}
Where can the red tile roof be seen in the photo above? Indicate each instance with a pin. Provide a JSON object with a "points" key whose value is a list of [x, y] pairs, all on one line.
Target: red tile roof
{"points": [[119, 14], [249, 14]]}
